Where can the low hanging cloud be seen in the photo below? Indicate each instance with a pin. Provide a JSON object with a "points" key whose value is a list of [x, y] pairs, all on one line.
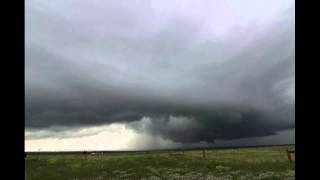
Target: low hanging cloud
{"points": [[187, 74]]}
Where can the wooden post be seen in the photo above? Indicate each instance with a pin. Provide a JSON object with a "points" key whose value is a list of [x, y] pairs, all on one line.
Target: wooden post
{"points": [[289, 154], [203, 153]]}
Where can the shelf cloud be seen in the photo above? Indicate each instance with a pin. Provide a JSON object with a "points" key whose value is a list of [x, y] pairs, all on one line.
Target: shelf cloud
{"points": [[191, 72]]}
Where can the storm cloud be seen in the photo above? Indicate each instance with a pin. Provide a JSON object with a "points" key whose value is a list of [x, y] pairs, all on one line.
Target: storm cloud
{"points": [[192, 72]]}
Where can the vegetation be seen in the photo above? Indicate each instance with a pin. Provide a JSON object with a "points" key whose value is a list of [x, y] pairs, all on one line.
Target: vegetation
{"points": [[242, 163]]}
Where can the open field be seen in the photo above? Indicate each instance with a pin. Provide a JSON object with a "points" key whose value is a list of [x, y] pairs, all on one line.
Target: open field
{"points": [[240, 163]]}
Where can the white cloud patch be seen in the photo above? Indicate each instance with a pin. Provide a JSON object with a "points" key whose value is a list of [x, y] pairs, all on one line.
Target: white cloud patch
{"points": [[108, 137]]}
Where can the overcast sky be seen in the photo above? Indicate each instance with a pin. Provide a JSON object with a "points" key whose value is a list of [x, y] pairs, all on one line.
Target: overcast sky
{"points": [[158, 73]]}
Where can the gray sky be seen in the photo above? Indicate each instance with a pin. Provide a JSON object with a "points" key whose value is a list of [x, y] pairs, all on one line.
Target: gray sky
{"points": [[183, 72]]}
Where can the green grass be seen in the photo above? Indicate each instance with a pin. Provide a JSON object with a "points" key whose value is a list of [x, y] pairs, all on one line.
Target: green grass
{"points": [[243, 163]]}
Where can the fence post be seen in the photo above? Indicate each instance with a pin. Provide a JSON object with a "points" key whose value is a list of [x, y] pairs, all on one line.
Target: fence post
{"points": [[203, 153], [289, 154]]}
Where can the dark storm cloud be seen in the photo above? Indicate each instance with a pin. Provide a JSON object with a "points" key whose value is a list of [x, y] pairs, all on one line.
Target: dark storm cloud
{"points": [[169, 80]]}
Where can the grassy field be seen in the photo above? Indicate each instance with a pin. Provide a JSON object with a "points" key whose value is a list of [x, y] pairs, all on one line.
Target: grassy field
{"points": [[243, 163]]}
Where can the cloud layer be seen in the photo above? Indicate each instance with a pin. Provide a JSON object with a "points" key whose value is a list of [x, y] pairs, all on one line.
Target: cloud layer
{"points": [[192, 72]]}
